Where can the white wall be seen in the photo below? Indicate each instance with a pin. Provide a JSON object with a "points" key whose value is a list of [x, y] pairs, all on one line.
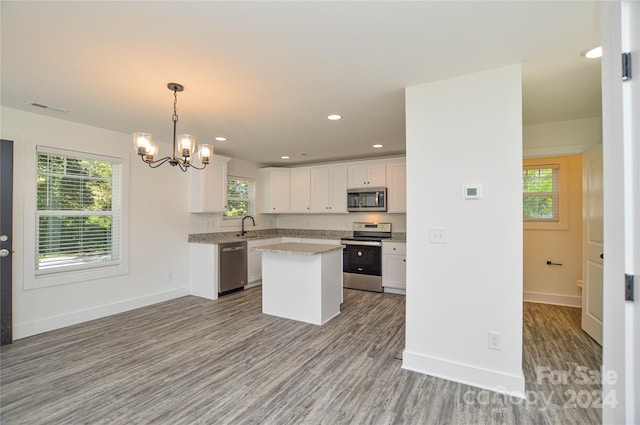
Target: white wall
{"points": [[158, 228], [561, 137], [460, 131]]}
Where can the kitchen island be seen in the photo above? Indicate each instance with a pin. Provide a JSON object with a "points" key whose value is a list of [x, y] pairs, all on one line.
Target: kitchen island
{"points": [[302, 281]]}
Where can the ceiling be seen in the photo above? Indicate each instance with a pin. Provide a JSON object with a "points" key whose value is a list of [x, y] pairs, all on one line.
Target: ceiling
{"points": [[266, 74]]}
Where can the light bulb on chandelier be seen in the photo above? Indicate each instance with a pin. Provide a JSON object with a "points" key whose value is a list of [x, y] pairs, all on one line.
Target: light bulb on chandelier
{"points": [[183, 145]]}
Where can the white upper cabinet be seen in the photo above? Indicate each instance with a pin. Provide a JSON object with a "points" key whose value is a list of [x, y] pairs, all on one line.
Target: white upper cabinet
{"points": [[397, 186], [367, 174], [338, 183], [329, 189], [208, 187], [323, 188], [274, 189], [300, 190]]}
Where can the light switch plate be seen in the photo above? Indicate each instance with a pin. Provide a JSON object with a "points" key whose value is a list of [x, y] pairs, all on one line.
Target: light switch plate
{"points": [[438, 235]]}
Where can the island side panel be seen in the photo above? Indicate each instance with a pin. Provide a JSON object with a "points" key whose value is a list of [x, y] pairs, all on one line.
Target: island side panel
{"points": [[331, 284], [291, 286], [203, 276]]}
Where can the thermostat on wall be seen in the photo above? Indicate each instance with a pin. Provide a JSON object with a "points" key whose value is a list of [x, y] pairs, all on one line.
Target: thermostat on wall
{"points": [[473, 191]]}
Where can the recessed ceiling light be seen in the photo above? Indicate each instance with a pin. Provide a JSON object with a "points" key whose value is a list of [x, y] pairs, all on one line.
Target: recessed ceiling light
{"points": [[377, 145], [594, 53], [334, 117], [285, 157], [221, 139]]}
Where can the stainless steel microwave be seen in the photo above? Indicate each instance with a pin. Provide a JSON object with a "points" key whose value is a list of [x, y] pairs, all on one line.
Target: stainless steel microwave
{"points": [[367, 199]]}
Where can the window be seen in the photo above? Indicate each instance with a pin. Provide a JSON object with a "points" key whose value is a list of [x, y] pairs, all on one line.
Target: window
{"points": [[240, 197], [541, 193], [78, 214], [544, 193]]}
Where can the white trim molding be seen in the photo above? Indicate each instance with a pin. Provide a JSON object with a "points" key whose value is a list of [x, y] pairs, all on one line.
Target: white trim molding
{"points": [[73, 318], [487, 379], [566, 150], [555, 299]]}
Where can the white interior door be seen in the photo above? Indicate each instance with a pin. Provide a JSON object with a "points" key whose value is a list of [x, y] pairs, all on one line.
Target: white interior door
{"points": [[593, 242]]}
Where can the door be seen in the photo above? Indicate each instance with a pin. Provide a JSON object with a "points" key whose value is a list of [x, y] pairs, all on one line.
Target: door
{"points": [[593, 242], [6, 218]]}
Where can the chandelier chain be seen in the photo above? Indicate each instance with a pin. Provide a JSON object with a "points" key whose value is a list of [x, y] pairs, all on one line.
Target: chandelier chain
{"points": [[175, 105]]}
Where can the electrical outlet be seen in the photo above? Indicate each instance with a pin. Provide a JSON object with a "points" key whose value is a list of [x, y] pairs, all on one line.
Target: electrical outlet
{"points": [[170, 277], [495, 341]]}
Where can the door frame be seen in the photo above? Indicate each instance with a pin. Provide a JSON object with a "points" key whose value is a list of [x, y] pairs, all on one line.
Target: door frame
{"points": [[6, 228], [621, 333]]}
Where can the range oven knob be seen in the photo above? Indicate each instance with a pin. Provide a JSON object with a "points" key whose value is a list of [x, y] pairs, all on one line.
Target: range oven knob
{"points": [[359, 253]]}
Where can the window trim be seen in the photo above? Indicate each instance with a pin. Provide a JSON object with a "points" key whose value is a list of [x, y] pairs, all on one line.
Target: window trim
{"points": [[34, 279], [235, 221], [563, 194]]}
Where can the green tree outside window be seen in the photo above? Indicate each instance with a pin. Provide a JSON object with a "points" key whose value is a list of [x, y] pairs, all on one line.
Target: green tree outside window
{"points": [[239, 197], [540, 190], [74, 211]]}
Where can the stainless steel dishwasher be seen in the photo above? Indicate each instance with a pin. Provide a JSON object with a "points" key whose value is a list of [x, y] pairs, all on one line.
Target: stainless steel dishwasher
{"points": [[232, 270]]}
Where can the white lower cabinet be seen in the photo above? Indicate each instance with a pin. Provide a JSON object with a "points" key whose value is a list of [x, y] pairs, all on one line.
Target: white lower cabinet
{"points": [[203, 270], [254, 259], [394, 266], [203, 263]]}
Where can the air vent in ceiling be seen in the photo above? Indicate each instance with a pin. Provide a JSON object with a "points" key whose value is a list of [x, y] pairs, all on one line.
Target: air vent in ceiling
{"points": [[44, 106]]}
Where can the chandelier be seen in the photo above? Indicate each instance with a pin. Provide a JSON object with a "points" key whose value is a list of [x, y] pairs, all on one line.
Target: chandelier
{"points": [[183, 146]]}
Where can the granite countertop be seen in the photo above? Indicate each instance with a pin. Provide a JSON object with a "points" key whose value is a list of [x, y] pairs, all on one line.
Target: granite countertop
{"points": [[298, 248], [221, 237]]}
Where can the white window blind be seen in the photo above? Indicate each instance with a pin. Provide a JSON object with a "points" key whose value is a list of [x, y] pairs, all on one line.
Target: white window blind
{"points": [[78, 212], [541, 193]]}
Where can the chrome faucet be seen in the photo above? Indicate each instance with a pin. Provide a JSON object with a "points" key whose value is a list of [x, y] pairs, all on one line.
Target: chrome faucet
{"points": [[243, 232]]}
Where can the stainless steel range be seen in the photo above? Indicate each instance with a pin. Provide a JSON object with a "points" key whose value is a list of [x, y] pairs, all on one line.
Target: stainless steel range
{"points": [[362, 256]]}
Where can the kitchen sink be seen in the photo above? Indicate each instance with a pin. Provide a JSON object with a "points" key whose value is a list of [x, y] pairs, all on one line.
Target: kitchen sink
{"points": [[248, 236]]}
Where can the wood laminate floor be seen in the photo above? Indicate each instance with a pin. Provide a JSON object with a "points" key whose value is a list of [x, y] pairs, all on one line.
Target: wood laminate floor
{"points": [[196, 361]]}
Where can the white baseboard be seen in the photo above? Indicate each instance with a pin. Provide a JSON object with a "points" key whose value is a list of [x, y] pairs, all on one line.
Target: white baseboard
{"points": [[539, 297], [488, 379], [52, 323], [253, 284], [399, 291]]}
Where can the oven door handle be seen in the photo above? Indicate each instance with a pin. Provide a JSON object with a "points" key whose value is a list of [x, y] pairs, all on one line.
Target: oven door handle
{"points": [[362, 243]]}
